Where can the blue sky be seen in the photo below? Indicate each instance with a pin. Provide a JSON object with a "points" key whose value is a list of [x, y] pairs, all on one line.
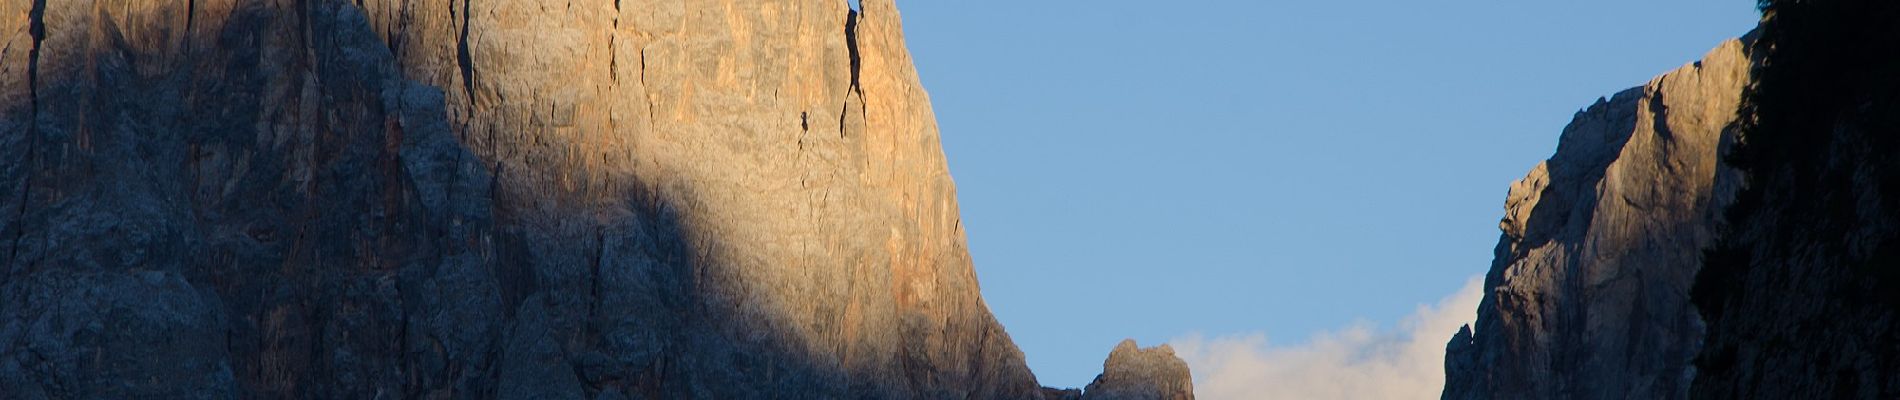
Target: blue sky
{"points": [[1281, 168]]}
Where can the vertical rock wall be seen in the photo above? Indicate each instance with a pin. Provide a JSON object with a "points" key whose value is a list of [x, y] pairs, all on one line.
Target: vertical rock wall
{"points": [[1588, 297], [479, 198], [790, 140]]}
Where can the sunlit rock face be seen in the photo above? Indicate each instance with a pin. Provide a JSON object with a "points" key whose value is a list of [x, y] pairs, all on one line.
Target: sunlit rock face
{"points": [[1588, 296], [489, 199], [787, 144]]}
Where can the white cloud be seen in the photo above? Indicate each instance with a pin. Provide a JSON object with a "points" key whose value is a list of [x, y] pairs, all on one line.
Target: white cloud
{"points": [[1363, 361]]}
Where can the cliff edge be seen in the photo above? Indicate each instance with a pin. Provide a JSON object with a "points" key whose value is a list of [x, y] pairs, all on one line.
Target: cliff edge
{"points": [[479, 199], [1588, 294]]}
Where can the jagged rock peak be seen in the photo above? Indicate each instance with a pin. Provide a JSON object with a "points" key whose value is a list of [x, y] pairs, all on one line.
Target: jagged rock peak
{"points": [[1587, 296], [1135, 373]]}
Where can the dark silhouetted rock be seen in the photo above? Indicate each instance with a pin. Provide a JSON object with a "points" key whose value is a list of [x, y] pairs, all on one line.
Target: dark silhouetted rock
{"points": [[1049, 393], [1802, 292]]}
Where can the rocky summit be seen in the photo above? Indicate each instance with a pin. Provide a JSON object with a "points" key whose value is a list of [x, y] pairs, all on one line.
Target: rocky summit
{"points": [[609, 199], [1132, 372]]}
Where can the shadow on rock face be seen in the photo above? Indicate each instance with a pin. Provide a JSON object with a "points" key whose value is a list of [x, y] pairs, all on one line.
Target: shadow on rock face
{"points": [[249, 200]]}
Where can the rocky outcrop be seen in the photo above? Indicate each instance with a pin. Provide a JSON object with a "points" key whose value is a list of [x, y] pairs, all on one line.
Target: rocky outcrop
{"points": [[488, 199], [1049, 393], [1588, 296], [1802, 293], [1135, 373]]}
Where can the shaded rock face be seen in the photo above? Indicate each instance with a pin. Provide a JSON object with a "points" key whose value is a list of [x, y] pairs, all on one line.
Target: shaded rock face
{"points": [[1134, 373], [1588, 296], [490, 199], [282, 217], [1802, 293]]}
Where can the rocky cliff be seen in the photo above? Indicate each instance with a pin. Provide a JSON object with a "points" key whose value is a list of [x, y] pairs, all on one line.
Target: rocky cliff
{"points": [[1791, 249], [1588, 296], [1802, 292], [487, 199]]}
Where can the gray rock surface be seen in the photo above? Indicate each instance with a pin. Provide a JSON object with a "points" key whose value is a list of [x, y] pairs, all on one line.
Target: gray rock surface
{"points": [[1588, 296], [479, 199], [1135, 373], [219, 201]]}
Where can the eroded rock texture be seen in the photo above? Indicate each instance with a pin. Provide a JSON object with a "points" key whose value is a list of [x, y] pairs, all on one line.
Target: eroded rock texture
{"points": [[1135, 373], [1588, 297], [490, 199]]}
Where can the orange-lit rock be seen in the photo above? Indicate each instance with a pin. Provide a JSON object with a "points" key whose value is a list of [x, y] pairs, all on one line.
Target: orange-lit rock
{"points": [[488, 199]]}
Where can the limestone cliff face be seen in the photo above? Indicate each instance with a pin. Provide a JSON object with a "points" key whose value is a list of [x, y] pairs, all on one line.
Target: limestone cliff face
{"points": [[487, 198], [789, 141], [1588, 296]]}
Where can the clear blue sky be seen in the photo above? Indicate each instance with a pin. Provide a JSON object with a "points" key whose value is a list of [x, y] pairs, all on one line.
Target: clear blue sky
{"points": [[1150, 169]]}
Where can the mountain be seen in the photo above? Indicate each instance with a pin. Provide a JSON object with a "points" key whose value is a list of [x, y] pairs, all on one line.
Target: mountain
{"points": [[479, 199], [1742, 242], [1588, 296]]}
